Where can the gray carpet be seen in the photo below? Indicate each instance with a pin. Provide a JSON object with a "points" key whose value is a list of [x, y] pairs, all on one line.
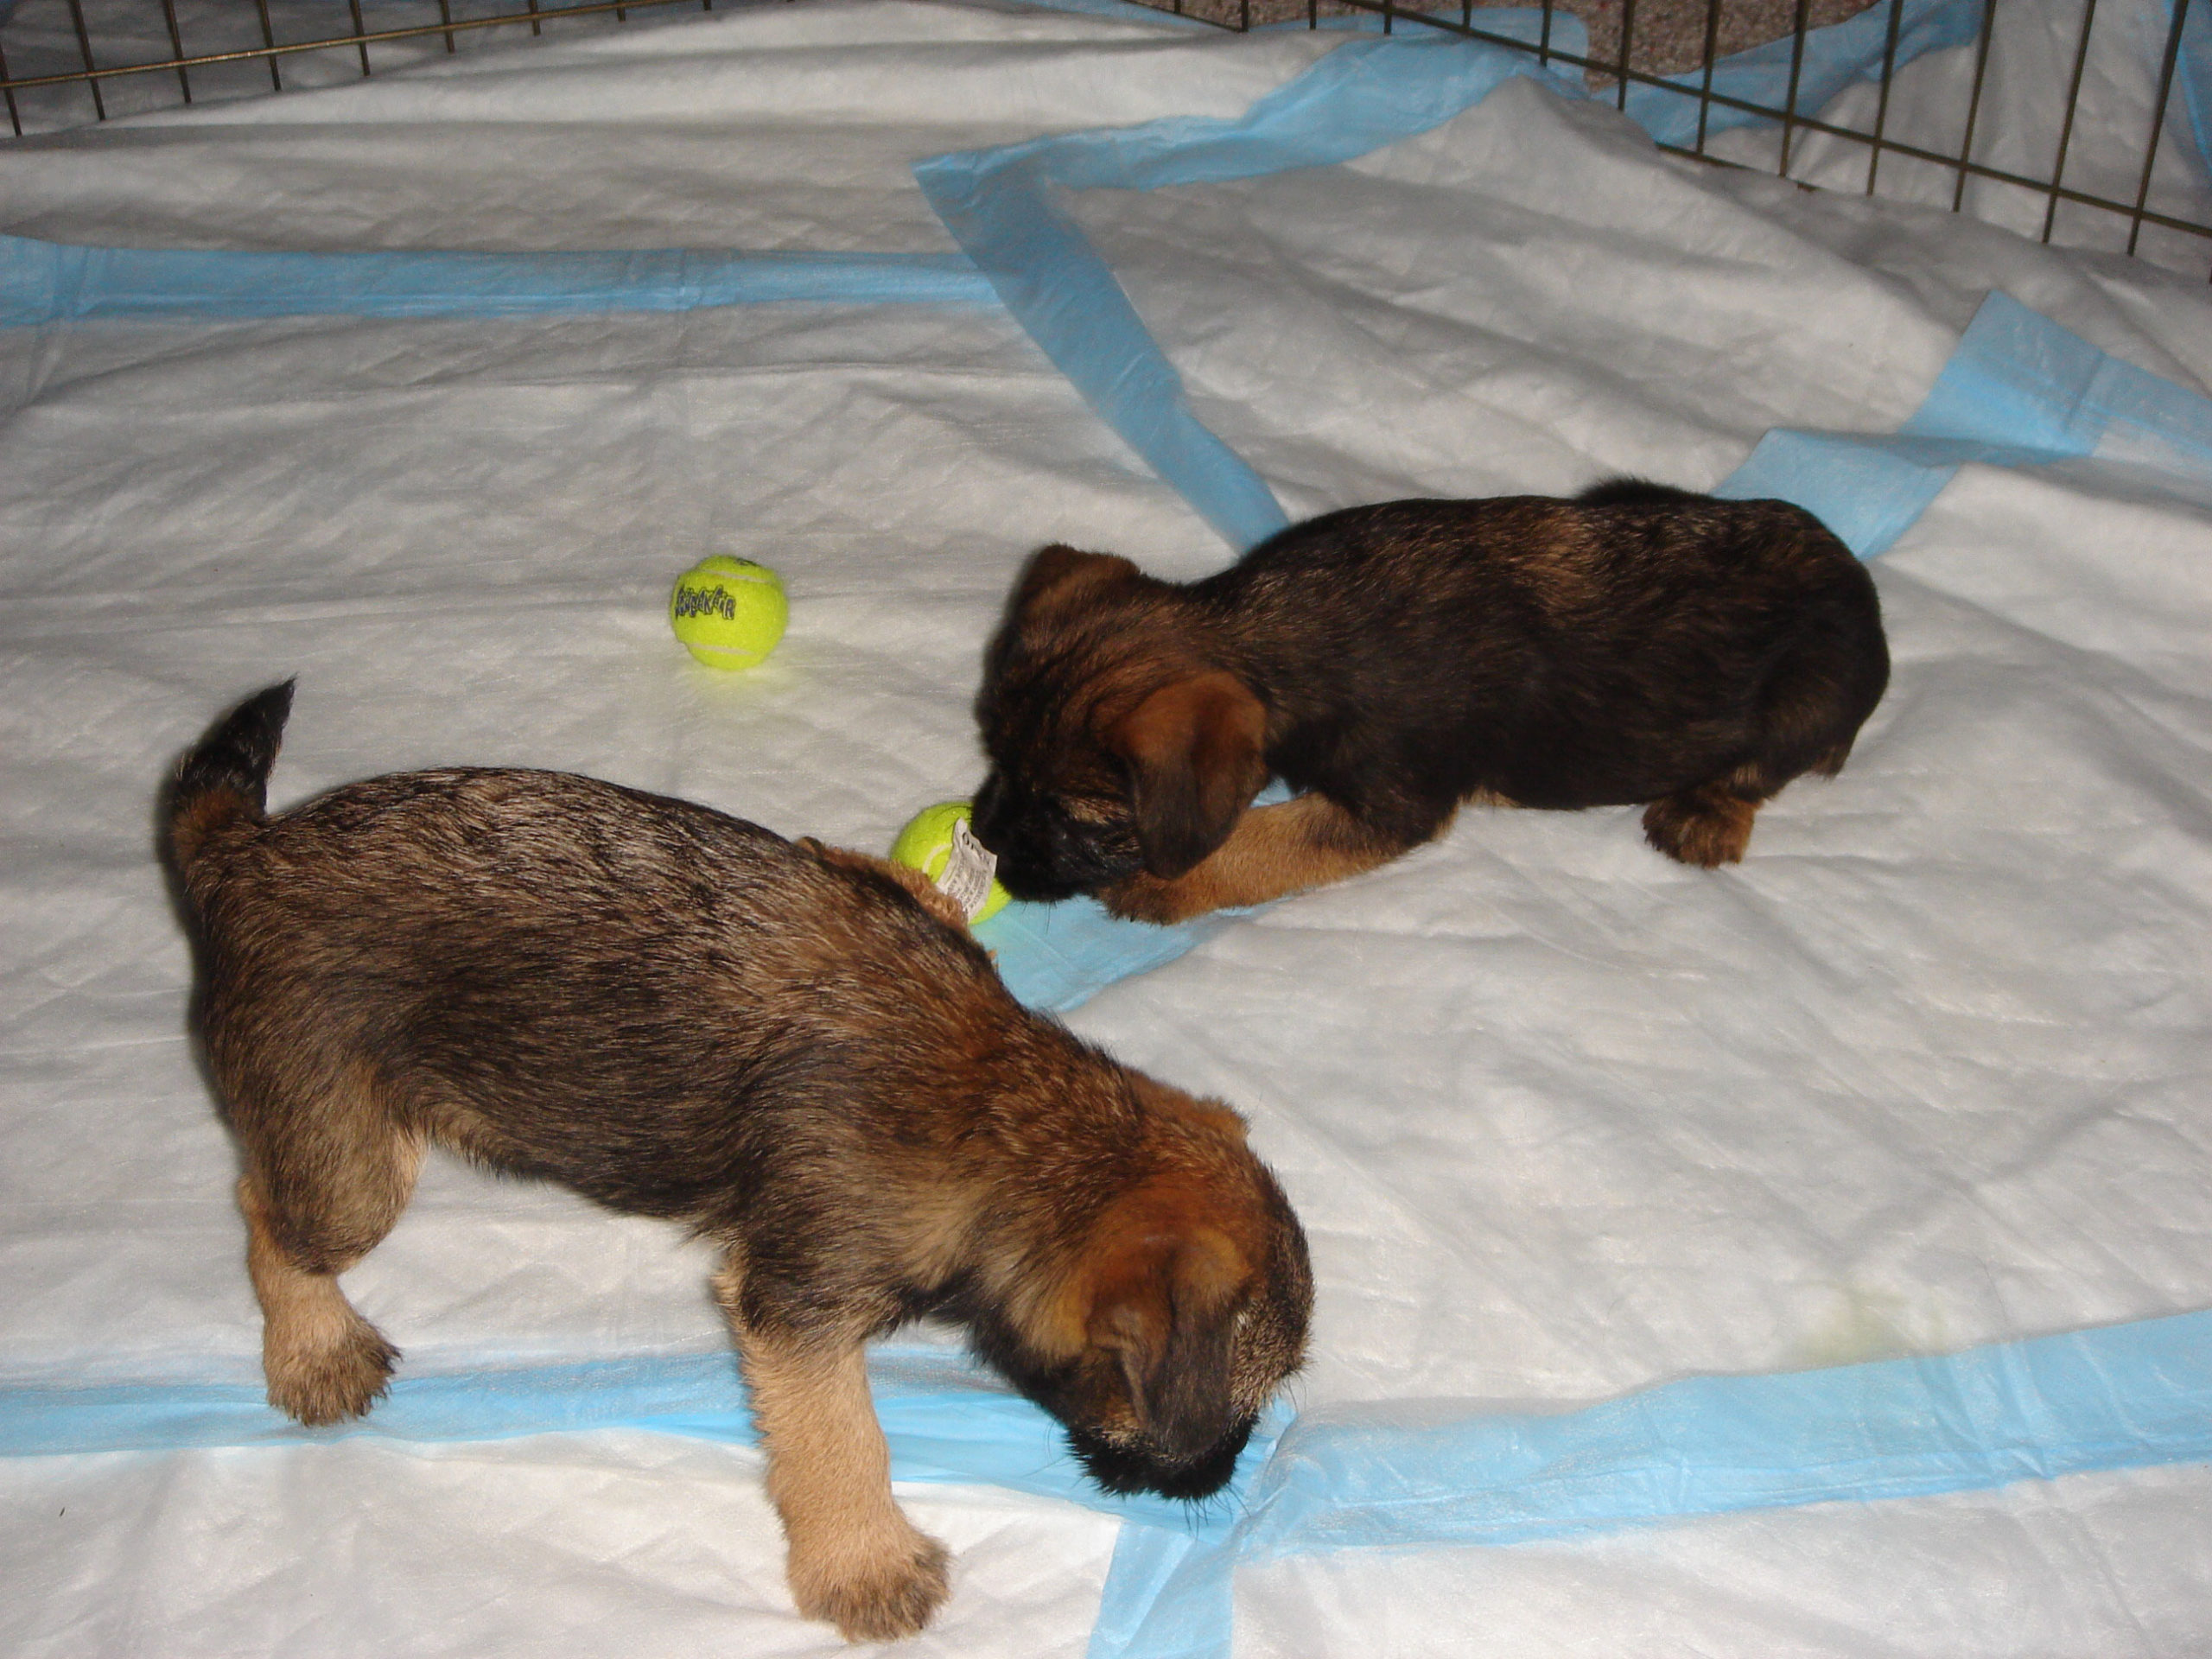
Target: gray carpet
{"points": [[1665, 36]]}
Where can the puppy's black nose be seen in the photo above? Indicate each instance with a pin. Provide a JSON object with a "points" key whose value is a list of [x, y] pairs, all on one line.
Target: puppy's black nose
{"points": [[1021, 835], [1031, 881], [986, 812], [1126, 1469]]}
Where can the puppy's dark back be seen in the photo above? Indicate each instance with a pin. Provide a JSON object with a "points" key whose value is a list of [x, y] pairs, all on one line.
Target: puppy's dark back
{"points": [[678, 987], [1562, 653]]}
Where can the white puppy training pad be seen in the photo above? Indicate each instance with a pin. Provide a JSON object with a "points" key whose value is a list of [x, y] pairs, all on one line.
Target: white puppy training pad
{"points": [[1570, 1127]]}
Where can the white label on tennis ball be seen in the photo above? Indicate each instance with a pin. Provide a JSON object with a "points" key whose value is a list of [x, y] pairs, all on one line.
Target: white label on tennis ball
{"points": [[966, 877]]}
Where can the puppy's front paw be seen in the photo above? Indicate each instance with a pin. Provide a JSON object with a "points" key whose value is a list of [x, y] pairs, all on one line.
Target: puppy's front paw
{"points": [[1700, 827], [873, 1598], [1148, 898], [330, 1381]]}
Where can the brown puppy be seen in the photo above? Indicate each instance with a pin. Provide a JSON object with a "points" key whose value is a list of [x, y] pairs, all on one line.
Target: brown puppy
{"points": [[791, 1049], [1637, 644]]}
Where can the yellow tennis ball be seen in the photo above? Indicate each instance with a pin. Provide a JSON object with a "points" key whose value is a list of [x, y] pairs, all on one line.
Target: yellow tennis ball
{"points": [[926, 844], [728, 612]]}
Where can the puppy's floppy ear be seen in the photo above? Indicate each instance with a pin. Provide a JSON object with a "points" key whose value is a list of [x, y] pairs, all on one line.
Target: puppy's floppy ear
{"points": [[1193, 751], [1057, 571], [1164, 1302]]}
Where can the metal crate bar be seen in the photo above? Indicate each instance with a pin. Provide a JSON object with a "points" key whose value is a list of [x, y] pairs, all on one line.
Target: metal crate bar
{"points": [[273, 51], [1795, 122], [1878, 144]]}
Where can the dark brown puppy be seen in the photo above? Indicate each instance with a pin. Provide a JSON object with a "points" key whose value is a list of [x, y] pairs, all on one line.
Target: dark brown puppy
{"points": [[793, 1050], [1637, 644]]}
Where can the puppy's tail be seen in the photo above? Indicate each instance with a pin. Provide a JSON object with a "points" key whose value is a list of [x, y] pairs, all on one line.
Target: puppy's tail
{"points": [[224, 777], [1635, 493]]}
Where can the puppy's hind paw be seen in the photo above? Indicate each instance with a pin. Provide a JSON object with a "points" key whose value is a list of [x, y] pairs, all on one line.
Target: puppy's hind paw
{"points": [[880, 1600], [1703, 827], [331, 1382]]}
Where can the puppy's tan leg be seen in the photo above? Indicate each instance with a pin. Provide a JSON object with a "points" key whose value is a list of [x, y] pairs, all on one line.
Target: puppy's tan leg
{"points": [[855, 1560], [1273, 850], [1708, 826], [323, 1361]]}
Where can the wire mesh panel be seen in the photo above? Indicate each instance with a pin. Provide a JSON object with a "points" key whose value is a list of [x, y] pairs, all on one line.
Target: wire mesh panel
{"points": [[68, 63], [2070, 120]]}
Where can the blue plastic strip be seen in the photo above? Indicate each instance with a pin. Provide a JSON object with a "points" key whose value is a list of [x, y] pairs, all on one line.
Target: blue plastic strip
{"points": [[946, 1420], [1868, 490], [1833, 58], [2127, 1396], [2020, 390], [2018, 379], [1168, 1595], [480, 1405], [1048, 275], [1364, 95], [2123, 1397], [51, 282], [1058, 956], [998, 205]]}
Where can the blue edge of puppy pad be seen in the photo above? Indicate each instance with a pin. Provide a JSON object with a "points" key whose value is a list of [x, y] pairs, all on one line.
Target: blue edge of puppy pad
{"points": [[2019, 391]]}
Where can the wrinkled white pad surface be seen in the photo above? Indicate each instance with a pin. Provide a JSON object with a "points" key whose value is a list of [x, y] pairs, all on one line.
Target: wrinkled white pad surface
{"points": [[1563, 1120]]}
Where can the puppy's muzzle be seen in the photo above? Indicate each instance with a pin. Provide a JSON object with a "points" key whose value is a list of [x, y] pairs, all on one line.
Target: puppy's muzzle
{"points": [[1045, 853], [1130, 1467]]}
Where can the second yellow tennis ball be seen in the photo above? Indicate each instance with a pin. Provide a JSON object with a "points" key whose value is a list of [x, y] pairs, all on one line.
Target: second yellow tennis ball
{"points": [[926, 844], [728, 612]]}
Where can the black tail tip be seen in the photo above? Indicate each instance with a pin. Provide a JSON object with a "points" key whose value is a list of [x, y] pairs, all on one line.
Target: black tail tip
{"points": [[240, 750], [268, 708], [1626, 492], [255, 729]]}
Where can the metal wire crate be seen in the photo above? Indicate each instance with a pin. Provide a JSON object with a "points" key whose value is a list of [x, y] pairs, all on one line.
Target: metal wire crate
{"points": [[2142, 191], [72, 63]]}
